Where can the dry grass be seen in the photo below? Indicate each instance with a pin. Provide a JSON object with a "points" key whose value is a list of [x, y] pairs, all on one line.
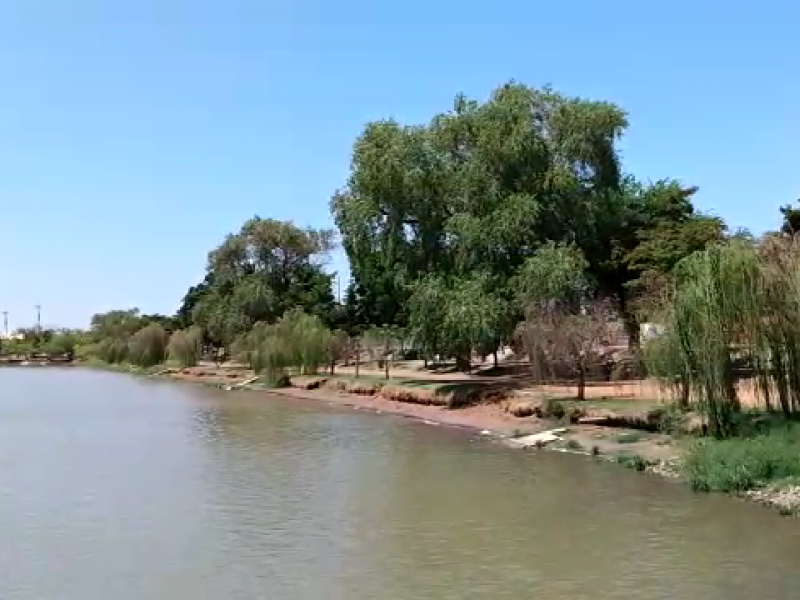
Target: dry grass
{"points": [[353, 386], [414, 395]]}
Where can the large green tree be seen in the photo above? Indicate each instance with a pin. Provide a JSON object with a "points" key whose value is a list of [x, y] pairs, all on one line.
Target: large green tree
{"points": [[259, 273], [482, 187], [479, 188], [458, 317], [633, 237]]}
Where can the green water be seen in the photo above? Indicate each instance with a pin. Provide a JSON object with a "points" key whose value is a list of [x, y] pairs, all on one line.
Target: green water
{"points": [[117, 488]]}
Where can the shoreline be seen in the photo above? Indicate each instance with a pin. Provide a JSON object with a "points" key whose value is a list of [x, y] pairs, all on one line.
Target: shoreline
{"points": [[647, 451], [655, 454]]}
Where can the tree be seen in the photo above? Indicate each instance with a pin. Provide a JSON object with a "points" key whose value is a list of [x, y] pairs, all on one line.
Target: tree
{"points": [[115, 324], [734, 309], [456, 317], [64, 341], [554, 275], [183, 317], [109, 334], [296, 340], [564, 342], [635, 235], [259, 273], [477, 190], [565, 326], [339, 347], [148, 346], [186, 346], [383, 343], [791, 219]]}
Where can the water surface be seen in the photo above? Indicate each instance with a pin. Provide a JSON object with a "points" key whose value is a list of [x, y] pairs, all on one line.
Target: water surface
{"points": [[113, 487]]}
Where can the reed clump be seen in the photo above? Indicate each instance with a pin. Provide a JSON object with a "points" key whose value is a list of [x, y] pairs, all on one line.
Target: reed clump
{"points": [[186, 347]]}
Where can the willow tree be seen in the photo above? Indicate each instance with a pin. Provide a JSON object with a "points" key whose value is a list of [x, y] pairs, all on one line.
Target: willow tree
{"points": [[186, 346], [780, 322], [734, 311], [475, 190], [148, 346], [296, 341], [457, 317]]}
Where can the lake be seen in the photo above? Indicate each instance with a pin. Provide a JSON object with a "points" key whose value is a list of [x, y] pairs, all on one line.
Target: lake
{"points": [[117, 487]]}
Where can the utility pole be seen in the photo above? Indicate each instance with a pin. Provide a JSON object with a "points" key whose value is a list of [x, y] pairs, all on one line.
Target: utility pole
{"points": [[39, 317]]}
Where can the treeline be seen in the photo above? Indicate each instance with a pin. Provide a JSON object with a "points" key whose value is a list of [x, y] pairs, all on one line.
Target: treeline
{"points": [[509, 222]]}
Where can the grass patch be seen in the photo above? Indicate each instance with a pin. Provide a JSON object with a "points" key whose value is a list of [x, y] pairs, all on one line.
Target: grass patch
{"points": [[631, 461], [573, 445], [741, 464], [629, 437]]}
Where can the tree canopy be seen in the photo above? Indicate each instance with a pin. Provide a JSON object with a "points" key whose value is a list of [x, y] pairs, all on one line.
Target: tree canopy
{"points": [[259, 273], [481, 188]]}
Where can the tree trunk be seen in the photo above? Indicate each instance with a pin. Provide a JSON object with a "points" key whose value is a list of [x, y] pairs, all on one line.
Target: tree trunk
{"points": [[386, 366], [581, 381], [358, 357], [630, 321], [494, 357], [683, 403]]}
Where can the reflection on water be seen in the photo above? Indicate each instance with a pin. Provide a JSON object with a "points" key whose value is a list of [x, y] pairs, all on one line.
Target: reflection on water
{"points": [[116, 487]]}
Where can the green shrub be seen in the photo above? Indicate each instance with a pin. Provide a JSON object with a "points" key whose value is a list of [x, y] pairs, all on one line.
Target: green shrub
{"points": [[670, 419], [297, 340], [742, 463], [553, 409], [186, 346], [109, 350], [632, 461], [573, 445], [64, 341], [148, 346]]}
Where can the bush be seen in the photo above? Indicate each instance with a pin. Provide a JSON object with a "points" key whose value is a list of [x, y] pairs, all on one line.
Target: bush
{"points": [[263, 351], [632, 461], [553, 409], [741, 464], [296, 340], [63, 342], [186, 346], [110, 350], [672, 420], [148, 346], [521, 409]]}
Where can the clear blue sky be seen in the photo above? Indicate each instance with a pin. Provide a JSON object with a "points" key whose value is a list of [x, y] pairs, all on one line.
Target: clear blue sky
{"points": [[134, 134]]}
